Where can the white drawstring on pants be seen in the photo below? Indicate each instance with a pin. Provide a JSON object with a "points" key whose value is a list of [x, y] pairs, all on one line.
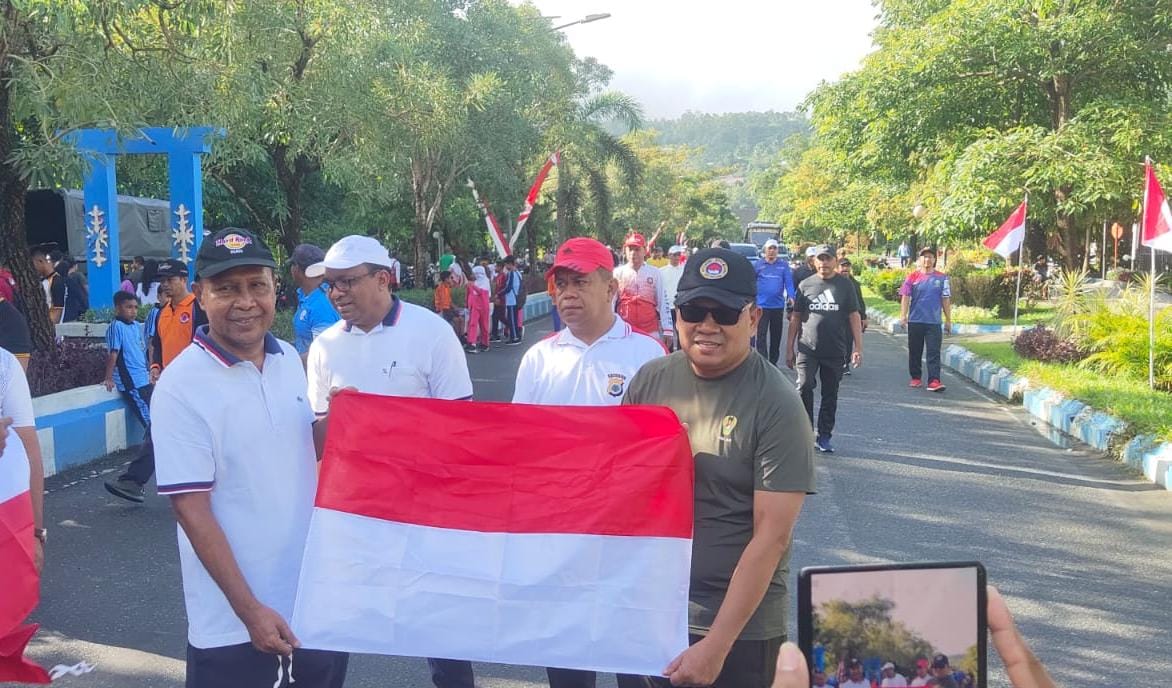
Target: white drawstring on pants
{"points": [[282, 672]]}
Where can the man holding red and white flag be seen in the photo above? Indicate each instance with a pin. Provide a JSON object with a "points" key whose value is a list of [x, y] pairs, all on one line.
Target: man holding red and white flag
{"points": [[21, 535]]}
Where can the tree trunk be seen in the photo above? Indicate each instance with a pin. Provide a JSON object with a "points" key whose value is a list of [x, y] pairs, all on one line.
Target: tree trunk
{"points": [[421, 225], [531, 233], [565, 201], [1067, 231], [291, 178], [13, 242]]}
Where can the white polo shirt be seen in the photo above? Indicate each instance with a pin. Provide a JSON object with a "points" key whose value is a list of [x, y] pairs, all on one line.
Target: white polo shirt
{"points": [[244, 435], [562, 369], [412, 353]]}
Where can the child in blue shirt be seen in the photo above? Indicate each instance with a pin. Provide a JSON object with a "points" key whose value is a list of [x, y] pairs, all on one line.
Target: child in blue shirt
{"points": [[127, 371]]}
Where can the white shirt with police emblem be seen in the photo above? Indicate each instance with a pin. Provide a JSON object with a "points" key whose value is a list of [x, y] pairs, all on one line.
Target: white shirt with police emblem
{"points": [[412, 353], [562, 369]]}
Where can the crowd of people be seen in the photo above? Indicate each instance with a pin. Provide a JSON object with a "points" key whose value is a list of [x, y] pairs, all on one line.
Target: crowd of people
{"points": [[237, 420], [852, 673]]}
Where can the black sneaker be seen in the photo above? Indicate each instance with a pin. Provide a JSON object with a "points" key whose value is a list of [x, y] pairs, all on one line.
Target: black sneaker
{"points": [[494, 338], [471, 349], [482, 347], [513, 342], [126, 489]]}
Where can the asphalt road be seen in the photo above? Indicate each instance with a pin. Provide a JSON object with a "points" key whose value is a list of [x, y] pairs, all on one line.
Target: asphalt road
{"points": [[1079, 546]]}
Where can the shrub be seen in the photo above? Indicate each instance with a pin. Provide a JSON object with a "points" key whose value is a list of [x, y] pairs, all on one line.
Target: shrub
{"points": [[885, 283], [971, 314], [72, 363], [1041, 344], [995, 289]]}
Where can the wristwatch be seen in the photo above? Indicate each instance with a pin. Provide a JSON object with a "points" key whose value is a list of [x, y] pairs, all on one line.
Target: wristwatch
{"points": [[41, 534]]}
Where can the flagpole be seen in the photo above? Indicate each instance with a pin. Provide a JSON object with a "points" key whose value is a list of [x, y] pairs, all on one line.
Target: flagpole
{"points": [[1020, 253], [1152, 277]]}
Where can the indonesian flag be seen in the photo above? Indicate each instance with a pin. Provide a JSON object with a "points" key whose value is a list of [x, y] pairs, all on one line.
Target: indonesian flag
{"points": [[1008, 238], [18, 574], [1157, 231], [530, 200], [519, 534]]}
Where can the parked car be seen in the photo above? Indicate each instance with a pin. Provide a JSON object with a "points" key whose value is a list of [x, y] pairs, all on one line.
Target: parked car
{"points": [[747, 250]]}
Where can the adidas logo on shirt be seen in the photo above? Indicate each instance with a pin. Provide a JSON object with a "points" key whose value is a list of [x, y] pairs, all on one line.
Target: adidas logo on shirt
{"points": [[824, 302]]}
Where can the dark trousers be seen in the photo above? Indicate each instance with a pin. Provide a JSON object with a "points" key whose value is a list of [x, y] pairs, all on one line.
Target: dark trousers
{"points": [[451, 673], [570, 678], [771, 323], [750, 664], [829, 370], [143, 467], [498, 318], [511, 328], [243, 666], [922, 336]]}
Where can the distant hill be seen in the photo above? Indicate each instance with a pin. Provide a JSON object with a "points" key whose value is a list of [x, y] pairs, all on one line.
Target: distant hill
{"points": [[743, 140]]}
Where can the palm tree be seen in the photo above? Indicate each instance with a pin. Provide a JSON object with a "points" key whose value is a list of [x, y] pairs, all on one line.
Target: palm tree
{"points": [[587, 148]]}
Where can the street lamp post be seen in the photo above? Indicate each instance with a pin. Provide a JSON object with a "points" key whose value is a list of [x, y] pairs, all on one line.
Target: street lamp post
{"points": [[584, 20]]}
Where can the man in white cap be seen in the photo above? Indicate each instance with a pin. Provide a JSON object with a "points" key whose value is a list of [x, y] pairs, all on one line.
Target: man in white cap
{"points": [[892, 679], [383, 345], [670, 275], [590, 362], [775, 292]]}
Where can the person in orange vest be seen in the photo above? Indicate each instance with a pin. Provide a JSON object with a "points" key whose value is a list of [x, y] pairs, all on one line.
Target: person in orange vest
{"points": [[642, 301]]}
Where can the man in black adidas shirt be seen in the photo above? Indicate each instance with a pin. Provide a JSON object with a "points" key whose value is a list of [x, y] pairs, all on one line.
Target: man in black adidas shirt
{"points": [[826, 311]]}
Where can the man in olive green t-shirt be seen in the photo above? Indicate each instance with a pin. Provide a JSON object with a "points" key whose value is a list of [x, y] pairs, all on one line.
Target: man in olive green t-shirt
{"points": [[754, 467]]}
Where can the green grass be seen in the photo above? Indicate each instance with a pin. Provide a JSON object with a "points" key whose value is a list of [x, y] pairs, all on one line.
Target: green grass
{"points": [[1149, 412], [1039, 313]]}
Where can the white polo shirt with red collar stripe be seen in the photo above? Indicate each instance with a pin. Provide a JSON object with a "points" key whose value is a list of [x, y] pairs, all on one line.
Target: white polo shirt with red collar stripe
{"points": [[245, 436], [412, 353], [562, 369]]}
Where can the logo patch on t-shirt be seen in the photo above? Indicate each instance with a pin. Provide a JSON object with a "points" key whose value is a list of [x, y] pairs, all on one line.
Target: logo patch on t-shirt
{"points": [[713, 269], [824, 302], [726, 428], [615, 383], [184, 318]]}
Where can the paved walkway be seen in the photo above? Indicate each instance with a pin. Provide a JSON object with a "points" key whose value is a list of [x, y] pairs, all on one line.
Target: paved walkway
{"points": [[1079, 546]]}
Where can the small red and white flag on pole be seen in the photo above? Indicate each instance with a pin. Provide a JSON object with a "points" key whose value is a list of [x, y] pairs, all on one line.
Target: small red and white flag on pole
{"points": [[19, 580], [1157, 226], [555, 158], [1009, 236], [480, 543]]}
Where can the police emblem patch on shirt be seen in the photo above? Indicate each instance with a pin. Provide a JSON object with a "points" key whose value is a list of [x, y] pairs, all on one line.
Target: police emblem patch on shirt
{"points": [[615, 384], [184, 318]]}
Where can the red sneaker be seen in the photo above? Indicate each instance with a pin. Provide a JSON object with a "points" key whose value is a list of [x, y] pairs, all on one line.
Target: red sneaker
{"points": [[916, 383], [935, 386]]}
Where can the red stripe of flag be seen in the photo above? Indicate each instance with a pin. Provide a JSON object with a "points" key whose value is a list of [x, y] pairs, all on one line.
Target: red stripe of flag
{"points": [[19, 582], [513, 468]]}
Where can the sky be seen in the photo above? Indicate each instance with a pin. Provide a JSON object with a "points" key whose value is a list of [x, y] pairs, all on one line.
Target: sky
{"points": [[727, 56], [939, 604]]}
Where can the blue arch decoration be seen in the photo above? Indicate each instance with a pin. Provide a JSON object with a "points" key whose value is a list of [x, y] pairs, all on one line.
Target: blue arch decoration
{"points": [[100, 148]]}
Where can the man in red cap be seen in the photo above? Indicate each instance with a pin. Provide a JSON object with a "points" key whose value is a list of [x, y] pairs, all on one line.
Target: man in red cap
{"points": [[642, 301], [589, 362]]}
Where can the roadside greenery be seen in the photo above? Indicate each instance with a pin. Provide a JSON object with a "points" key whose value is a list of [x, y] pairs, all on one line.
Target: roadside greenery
{"points": [[1147, 411]]}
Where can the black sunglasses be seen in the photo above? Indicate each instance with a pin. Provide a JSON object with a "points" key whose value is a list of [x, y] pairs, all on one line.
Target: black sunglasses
{"points": [[723, 315]]}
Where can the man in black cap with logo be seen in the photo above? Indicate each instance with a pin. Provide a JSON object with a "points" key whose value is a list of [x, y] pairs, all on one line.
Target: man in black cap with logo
{"points": [[942, 672], [235, 453], [754, 467], [826, 312]]}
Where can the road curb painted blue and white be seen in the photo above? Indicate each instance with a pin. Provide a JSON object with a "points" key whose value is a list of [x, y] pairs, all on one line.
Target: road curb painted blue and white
{"points": [[83, 424], [891, 325], [1073, 417]]}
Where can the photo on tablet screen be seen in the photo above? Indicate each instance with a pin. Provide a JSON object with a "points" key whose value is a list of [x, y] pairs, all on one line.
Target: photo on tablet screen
{"points": [[894, 628]]}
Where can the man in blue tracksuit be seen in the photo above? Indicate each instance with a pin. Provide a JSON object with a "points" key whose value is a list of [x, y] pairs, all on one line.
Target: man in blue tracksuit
{"points": [[775, 291]]}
